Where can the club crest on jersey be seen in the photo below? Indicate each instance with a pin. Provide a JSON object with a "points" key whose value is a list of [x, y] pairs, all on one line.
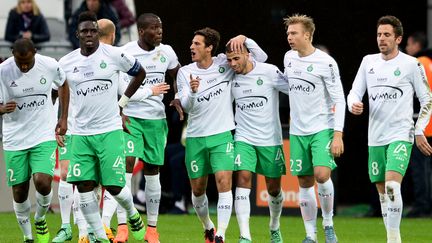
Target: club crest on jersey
{"points": [[13, 84], [310, 68], [221, 69], [42, 80], [162, 59], [397, 72], [103, 65], [260, 81]]}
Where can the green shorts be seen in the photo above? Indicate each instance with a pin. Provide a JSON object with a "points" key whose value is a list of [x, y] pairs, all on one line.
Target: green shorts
{"points": [[65, 152], [98, 158], [21, 164], [392, 157], [207, 155], [309, 151], [265, 160], [147, 140]]}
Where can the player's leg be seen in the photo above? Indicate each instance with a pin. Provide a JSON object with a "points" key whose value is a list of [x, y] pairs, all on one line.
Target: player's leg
{"points": [[376, 168], [18, 177], [110, 147], [398, 155], [65, 193], [245, 163], [271, 164], [154, 135], [221, 150], [301, 166], [324, 163], [198, 168], [42, 163]]}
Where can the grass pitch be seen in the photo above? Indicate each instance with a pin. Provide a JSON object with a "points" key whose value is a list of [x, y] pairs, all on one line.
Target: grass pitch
{"points": [[186, 228]]}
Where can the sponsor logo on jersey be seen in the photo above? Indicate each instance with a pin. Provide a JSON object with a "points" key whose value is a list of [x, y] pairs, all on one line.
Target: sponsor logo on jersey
{"points": [[422, 73], [332, 73], [303, 86], [13, 84], [152, 81], [150, 67], [28, 90], [371, 71], [93, 87], [247, 91], [385, 93], [298, 72], [208, 81], [397, 72], [32, 102], [251, 103], [213, 91], [310, 68], [381, 79], [89, 74]]}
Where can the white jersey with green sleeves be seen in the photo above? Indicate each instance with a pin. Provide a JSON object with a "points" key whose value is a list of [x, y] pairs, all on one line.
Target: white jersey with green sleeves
{"points": [[210, 108], [93, 80], [34, 118], [155, 62], [315, 93], [256, 97], [391, 86]]}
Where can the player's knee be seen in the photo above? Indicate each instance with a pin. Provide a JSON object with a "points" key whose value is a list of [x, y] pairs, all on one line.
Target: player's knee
{"points": [[243, 180], [392, 189], [86, 186], [42, 187], [198, 191], [321, 176], [273, 191], [224, 183], [150, 169], [113, 190]]}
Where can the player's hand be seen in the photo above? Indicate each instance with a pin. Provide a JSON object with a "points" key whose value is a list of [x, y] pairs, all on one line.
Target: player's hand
{"points": [[177, 104], [357, 108], [9, 107], [61, 127], [423, 145], [125, 120], [160, 89], [337, 146], [60, 140], [237, 44], [194, 83]]}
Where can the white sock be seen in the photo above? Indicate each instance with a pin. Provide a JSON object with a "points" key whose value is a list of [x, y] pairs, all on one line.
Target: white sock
{"points": [[109, 207], [78, 216], [180, 204], [275, 207], [309, 210], [200, 205], [394, 206], [90, 210], [124, 198], [326, 198], [22, 213], [42, 205], [65, 196], [121, 212], [242, 209], [383, 201], [141, 196], [153, 196], [224, 210]]}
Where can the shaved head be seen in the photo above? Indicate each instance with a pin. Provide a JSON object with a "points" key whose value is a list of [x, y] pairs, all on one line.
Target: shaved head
{"points": [[106, 31]]}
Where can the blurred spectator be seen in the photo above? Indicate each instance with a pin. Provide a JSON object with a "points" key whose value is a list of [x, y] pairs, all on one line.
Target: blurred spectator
{"points": [[102, 11], [26, 21], [126, 17], [420, 164]]}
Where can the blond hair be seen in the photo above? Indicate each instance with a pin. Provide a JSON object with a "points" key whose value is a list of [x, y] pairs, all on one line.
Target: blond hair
{"points": [[35, 8], [305, 20]]}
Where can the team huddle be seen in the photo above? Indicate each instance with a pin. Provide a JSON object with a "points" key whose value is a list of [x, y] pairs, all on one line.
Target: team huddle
{"points": [[111, 114]]}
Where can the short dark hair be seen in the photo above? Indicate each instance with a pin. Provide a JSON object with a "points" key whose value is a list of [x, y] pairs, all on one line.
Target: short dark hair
{"points": [[211, 38], [87, 16], [23, 46], [143, 20], [420, 37], [393, 21], [228, 48]]}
